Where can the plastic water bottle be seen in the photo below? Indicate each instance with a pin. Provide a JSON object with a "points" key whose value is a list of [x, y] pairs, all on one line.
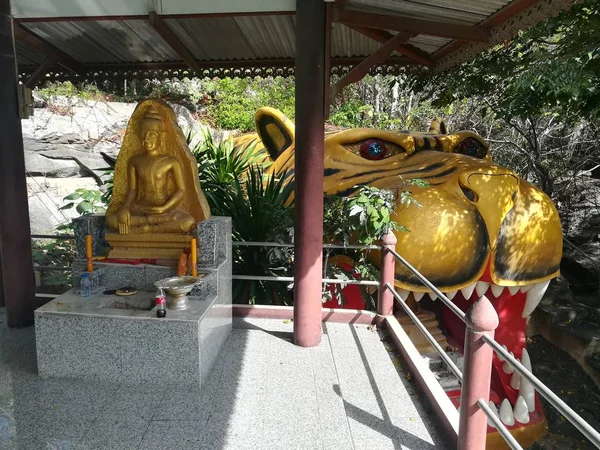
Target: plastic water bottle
{"points": [[86, 285], [161, 301]]}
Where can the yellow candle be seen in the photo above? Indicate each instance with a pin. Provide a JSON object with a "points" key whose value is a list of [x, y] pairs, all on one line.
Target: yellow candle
{"points": [[193, 254], [88, 253]]}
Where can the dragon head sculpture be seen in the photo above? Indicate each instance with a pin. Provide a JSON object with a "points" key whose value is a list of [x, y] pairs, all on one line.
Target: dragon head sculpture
{"points": [[481, 230]]}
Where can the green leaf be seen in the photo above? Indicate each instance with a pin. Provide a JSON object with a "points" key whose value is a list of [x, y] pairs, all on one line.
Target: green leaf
{"points": [[84, 207], [73, 196], [67, 206]]}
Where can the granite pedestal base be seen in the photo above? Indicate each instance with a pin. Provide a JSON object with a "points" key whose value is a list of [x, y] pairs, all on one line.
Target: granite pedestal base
{"points": [[168, 246], [120, 339]]}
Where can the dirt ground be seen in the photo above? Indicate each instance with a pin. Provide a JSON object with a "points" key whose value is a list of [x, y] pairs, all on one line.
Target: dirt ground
{"points": [[566, 378]]}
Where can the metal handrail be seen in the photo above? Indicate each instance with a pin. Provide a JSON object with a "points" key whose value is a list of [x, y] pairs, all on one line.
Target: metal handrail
{"points": [[561, 406], [455, 309], [286, 245], [52, 236], [51, 268], [236, 243], [288, 279], [455, 370], [509, 438]]}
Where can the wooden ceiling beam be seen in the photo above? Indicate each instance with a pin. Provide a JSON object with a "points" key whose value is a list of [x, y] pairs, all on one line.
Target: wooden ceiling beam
{"points": [[174, 42], [38, 74], [32, 41], [409, 24], [498, 18], [358, 72], [407, 50]]}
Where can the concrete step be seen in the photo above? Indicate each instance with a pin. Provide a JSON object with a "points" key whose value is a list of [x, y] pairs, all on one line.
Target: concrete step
{"points": [[431, 324]]}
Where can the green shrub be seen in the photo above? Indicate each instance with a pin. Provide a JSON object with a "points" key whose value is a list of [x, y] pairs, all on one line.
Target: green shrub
{"points": [[67, 89], [236, 100]]}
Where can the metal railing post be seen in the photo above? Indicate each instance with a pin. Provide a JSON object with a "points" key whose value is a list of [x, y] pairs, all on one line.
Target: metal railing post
{"points": [[385, 301], [481, 318]]}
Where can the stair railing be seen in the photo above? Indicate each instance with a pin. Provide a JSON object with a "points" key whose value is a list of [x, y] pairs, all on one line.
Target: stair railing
{"points": [[480, 320]]}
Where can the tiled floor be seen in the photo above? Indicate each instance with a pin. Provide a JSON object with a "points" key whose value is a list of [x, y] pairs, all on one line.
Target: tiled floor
{"points": [[264, 393]]}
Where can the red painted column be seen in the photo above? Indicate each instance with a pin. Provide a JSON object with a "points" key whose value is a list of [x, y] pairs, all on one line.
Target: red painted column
{"points": [[15, 237], [385, 304], [472, 427], [308, 231]]}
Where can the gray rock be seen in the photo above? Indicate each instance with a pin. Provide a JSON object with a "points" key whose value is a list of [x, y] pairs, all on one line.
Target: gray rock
{"points": [[90, 163], [46, 198], [69, 138], [38, 165]]}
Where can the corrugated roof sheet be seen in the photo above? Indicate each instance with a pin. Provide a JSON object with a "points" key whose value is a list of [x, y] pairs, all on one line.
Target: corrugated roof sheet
{"points": [[212, 38], [464, 12], [270, 36], [242, 37], [28, 57], [235, 38], [429, 44], [105, 41], [346, 42]]}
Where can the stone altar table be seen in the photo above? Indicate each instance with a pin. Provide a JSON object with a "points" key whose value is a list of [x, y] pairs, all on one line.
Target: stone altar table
{"points": [[120, 339]]}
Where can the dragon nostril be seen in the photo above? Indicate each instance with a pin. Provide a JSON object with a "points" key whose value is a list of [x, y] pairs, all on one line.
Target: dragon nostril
{"points": [[471, 195]]}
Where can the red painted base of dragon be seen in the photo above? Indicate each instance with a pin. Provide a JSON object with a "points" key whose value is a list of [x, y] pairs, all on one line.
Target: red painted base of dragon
{"points": [[481, 230]]}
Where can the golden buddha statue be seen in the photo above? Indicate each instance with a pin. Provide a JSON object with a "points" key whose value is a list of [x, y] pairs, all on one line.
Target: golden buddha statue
{"points": [[157, 197]]}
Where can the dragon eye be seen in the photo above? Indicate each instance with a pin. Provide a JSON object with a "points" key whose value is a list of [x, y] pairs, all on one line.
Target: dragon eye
{"points": [[373, 149], [471, 147]]}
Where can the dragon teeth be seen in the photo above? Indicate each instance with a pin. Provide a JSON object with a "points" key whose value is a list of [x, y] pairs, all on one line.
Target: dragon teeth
{"points": [[521, 412], [514, 289], [535, 292], [526, 360], [506, 414], [507, 368], [526, 288], [497, 290], [499, 355], [495, 411], [534, 296], [403, 293], [418, 296], [515, 380], [468, 291], [526, 389], [481, 287]]}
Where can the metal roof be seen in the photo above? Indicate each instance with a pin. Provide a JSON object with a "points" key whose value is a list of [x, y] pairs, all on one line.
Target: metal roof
{"points": [[464, 12], [128, 42], [27, 56], [105, 41]]}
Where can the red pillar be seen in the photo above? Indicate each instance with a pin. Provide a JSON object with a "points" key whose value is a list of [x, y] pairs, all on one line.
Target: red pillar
{"points": [[385, 304], [15, 237], [308, 231], [477, 373]]}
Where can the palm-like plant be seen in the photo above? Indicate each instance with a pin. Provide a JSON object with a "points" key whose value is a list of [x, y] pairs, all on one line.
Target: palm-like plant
{"points": [[257, 207], [220, 163], [235, 185]]}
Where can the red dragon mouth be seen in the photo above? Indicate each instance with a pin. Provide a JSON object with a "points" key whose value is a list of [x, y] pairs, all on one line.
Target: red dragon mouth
{"points": [[515, 402]]}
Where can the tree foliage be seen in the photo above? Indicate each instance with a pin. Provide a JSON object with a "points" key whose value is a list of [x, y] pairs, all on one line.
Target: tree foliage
{"points": [[553, 67]]}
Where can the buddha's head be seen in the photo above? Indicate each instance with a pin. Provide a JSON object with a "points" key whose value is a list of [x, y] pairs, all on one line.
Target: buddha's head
{"points": [[151, 129]]}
